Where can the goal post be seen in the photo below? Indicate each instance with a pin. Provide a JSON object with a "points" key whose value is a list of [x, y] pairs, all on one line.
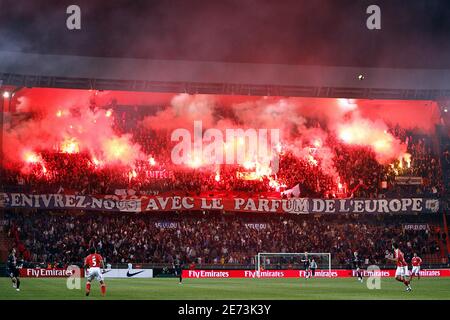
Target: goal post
{"points": [[294, 261]]}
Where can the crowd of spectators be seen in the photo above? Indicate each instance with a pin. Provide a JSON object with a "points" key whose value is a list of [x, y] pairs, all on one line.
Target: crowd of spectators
{"points": [[445, 161], [207, 238], [355, 172]]}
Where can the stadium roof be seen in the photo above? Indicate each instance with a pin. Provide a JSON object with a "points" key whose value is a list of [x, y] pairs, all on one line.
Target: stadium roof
{"points": [[35, 70]]}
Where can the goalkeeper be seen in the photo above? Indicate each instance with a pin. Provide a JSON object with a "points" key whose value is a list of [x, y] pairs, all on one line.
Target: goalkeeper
{"points": [[306, 265]]}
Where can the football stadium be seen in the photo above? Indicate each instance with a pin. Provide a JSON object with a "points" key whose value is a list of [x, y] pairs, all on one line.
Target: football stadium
{"points": [[134, 173]]}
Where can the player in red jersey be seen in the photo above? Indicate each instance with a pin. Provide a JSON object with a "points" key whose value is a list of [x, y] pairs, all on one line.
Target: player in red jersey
{"points": [[416, 261], [402, 272], [93, 263]]}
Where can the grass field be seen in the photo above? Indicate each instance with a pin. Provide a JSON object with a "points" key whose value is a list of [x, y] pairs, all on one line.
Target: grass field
{"points": [[203, 289]]}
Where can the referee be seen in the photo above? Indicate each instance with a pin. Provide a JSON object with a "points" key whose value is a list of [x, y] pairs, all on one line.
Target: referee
{"points": [[13, 270], [313, 267]]}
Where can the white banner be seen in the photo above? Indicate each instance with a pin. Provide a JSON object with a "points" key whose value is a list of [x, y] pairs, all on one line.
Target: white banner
{"points": [[127, 273], [257, 226], [408, 180], [166, 225], [415, 226]]}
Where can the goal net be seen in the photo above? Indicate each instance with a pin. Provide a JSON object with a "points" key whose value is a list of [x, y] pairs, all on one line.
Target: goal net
{"points": [[291, 261]]}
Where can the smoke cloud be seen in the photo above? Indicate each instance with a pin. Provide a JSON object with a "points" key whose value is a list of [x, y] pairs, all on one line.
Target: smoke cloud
{"points": [[71, 121]]}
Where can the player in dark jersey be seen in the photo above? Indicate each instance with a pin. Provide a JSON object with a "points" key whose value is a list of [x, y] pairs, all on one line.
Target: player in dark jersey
{"points": [[306, 264], [13, 269], [178, 266], [357, 265]]}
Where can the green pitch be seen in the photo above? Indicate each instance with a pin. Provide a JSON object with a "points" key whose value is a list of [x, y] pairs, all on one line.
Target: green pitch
{"points": [[270, 289]]}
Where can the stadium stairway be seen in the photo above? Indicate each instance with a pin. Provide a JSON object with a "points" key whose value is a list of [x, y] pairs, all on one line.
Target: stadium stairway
{"points": [[5, 245], [447, 238], [432, 258], [443, 251], [440, 257]]}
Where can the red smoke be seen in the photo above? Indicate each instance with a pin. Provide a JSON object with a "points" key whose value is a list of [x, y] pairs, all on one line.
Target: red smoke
{"points": [[67, 124], [70, 121], [365, 132]]}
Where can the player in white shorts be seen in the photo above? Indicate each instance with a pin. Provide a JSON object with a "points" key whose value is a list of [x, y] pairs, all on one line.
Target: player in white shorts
{"points": [[94, 264], [401, 273], [416, 261], [95, 273]]}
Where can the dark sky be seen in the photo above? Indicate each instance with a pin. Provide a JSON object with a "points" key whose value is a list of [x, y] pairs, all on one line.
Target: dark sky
{"points": [[414, 33]]}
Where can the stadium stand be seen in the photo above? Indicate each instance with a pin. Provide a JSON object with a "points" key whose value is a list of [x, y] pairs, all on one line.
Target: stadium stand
{"points": [[217, 239]]}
